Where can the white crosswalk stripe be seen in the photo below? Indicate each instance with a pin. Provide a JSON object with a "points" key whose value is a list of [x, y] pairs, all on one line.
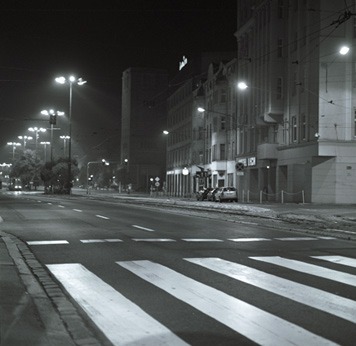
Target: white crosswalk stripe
{"points": [[351, 262], [312, 269], [124, 322], [338, 306], [246, 319]]}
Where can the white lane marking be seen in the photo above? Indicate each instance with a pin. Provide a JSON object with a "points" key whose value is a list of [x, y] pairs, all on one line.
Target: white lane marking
{"points": [[78, 210], [316, 298], [102, 217], [153, 239], [311, 269], [296, 238], [47, 242], [201, 240], [86, 241], [143, 228], [346, 261], [248, 239], [327, 238], [61, 206], [248, 320], [49, 203], [123, 322]]}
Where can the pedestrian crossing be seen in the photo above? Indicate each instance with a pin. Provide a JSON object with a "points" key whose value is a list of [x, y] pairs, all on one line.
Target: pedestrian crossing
{"points": [[171, 240], [125, 322]]}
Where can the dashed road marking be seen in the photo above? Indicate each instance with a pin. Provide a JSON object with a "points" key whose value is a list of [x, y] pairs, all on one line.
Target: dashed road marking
{"points": [[103, 217], [143, 228], [47, 242]]}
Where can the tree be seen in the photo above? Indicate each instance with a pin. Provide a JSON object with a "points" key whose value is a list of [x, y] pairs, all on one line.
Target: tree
{"points": [[56, 175], [27, 167]]}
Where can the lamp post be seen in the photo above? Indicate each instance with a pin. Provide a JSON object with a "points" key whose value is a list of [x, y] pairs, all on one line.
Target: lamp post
{"points": [[70, 81], [64, 143], [25, 139], [45, 149], [52, 121], [14, 145], [36, 130]]}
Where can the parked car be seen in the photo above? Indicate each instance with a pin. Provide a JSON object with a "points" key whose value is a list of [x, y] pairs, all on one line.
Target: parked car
{"points": [[202, 194], [211, 194], [226, 194]]}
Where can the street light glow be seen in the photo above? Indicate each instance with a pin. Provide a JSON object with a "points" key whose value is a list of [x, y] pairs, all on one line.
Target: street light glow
{"points": [[242, 85], [200, 109], [165, 132], [60, 80], [344, 50]]}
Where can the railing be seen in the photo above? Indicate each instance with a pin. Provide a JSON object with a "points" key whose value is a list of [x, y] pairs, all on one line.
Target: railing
{"points": [[282, 196]]}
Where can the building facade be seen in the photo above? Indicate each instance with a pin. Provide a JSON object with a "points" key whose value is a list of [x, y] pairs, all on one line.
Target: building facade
{"points": [[298, 114], [186, 140], [144, 116], [290, 135]]}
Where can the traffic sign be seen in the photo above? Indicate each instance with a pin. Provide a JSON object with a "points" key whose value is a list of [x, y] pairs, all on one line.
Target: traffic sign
{"points": [[239, 166]]}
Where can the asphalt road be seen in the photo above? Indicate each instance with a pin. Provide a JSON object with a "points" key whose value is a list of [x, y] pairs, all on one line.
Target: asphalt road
{"points": [[145, 275]]}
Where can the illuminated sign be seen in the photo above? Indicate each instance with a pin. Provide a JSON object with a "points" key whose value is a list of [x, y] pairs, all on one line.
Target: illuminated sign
{"points": [[183, 62]]}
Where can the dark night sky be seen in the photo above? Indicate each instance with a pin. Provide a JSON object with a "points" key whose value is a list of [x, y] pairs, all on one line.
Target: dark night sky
{"points": [[43, 40]]}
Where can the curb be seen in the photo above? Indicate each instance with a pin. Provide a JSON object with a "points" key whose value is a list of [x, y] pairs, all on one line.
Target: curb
{"points": [[66, 326]]}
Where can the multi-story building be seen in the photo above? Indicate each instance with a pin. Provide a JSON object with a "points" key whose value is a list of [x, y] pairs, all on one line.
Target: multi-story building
{"points": [[186, 140], [144, 116], [291, 134], [297, 118]]}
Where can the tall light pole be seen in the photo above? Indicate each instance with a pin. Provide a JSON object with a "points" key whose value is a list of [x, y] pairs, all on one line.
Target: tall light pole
{"points": [[45, 149], [70, 81], [25, 139], [14, 145], [36, 130], [64, 143], [52, 121]]}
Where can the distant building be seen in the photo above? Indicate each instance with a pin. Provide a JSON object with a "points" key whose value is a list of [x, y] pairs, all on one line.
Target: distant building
{"points": [[186, 138], [144, 117]]}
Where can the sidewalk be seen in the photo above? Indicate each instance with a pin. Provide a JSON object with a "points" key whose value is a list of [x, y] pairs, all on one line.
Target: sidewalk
{"points": [[28, 315], [34, 308]]}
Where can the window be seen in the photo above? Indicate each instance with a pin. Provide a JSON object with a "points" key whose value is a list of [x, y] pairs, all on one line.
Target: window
{"points": [[222, 152], [294, 129], [303, 128], [215, 124], [214, 153], [200, 133], [279, 88], [223, 123]]}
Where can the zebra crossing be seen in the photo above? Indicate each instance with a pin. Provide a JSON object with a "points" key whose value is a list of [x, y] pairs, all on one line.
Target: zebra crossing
{"points": [[124, 322]]}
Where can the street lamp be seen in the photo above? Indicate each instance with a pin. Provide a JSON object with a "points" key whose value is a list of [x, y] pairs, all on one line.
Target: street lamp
{"points": [[52, 121], [45, 149], [14, 145], [36, 130], [64, 143], [25, 139], [70, 81]]}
